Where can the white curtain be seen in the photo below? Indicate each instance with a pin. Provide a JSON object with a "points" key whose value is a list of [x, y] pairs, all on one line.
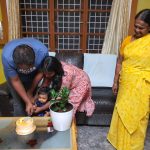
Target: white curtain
{"points": [[118, 25], [13, 19]]}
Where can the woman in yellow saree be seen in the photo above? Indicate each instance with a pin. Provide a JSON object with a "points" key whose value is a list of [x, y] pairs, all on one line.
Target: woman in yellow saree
{"points": [[132, 86]]}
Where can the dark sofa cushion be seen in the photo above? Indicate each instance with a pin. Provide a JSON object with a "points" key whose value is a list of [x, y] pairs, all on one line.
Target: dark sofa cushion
{"points": [[6, 103], [104, 99]]}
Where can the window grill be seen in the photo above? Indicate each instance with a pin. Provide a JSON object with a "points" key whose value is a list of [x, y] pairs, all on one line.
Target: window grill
{"points": [[97, 24], [35, 20], [78, 25]]}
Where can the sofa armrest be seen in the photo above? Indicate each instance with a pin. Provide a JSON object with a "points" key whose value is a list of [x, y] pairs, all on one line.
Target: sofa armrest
{"points": [[4, 91], [74, 58]]}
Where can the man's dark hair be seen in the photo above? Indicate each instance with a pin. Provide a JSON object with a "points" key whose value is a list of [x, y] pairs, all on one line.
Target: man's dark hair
{"points": [[23, 54]]}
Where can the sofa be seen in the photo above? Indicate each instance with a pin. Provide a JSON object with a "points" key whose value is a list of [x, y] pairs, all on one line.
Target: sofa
{"points": [[100, 68], [101, 73], [6, 103]]}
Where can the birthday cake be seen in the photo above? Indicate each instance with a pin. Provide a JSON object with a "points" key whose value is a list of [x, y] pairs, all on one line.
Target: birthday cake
{"points": [[25, 125]]}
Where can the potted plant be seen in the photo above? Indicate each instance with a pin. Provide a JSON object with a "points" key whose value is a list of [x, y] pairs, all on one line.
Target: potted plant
{"points": [[60, 109]]}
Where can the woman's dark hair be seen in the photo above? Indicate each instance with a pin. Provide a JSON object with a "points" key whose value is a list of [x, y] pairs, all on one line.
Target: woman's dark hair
{"points": [[144, 15], [53, 64], [43, 90], [23, 54]]}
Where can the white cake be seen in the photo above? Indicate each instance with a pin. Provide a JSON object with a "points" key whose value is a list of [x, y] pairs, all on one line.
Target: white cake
{"points": [[25, 125]]}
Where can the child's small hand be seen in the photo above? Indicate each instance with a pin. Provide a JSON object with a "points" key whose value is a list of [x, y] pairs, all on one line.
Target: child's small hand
{"points": [[47, 114], [37, 110]]}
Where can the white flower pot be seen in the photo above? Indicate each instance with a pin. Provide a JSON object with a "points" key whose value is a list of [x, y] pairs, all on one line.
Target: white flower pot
{"points": [[61, 120]]}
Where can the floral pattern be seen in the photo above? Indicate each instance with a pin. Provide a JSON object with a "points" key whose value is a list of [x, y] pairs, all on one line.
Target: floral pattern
{"points": [[80, 88]]}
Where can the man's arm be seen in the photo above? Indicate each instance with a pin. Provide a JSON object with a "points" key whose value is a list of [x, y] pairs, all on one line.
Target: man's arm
{"points": [[16, 83], [35, 83]]}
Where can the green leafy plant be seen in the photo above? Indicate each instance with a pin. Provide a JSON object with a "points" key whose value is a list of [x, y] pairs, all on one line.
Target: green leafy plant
{"points": [[59, 100]]}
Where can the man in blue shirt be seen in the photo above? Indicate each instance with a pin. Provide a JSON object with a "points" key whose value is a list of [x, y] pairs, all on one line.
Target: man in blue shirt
{"points": [[22, 61]]}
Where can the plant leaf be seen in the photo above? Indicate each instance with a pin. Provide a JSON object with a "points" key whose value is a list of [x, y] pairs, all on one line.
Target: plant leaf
{"points": [[60, 99]]}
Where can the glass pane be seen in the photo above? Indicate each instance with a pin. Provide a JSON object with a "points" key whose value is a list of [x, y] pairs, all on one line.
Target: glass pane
{"points": [[68, 4], [95, 43], [100, 4], [67, 21], [98, 22], [43, 38], [35, 21], [40, 4], [68, 42]]}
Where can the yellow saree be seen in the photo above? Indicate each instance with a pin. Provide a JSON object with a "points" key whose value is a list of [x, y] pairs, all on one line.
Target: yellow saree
{"points": [[131, 112]]}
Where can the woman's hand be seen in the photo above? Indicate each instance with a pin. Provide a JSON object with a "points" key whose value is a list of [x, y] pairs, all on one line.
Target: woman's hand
{"points": [[42, 108], [115, 88], [117, 74], [37, 109], [47, 114]]}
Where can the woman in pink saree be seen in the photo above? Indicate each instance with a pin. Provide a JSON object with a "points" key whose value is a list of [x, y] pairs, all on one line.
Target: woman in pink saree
{"points": [[58, 74]]}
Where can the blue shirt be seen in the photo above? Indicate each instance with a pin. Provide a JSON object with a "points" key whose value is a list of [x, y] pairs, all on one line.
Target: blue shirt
{"points": [[10, 69]]}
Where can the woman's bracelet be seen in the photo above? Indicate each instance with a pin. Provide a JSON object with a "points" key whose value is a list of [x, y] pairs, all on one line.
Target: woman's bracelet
{"points": [[115, 82]]}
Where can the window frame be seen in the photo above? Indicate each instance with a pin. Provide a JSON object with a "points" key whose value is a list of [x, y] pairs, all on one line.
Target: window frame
{"points": [[4, 22], [84, 33], [132, 16]]}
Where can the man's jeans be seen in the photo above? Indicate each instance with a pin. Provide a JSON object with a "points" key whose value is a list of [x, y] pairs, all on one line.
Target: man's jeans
{"points": [[18, 103]]}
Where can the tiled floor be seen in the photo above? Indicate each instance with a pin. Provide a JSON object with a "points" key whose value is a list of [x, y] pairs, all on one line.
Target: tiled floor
{"points": [[94, 138]]}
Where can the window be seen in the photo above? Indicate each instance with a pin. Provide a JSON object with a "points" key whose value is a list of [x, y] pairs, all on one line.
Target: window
{"points": [[3, 23], [76, 25]]}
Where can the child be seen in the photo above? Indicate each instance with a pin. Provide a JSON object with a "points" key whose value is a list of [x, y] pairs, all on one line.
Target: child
{"points": [[43, 97]]}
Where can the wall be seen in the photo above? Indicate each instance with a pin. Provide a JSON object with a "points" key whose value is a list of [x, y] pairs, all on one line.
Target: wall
{"points": [[142, 4], [2, 77]]}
